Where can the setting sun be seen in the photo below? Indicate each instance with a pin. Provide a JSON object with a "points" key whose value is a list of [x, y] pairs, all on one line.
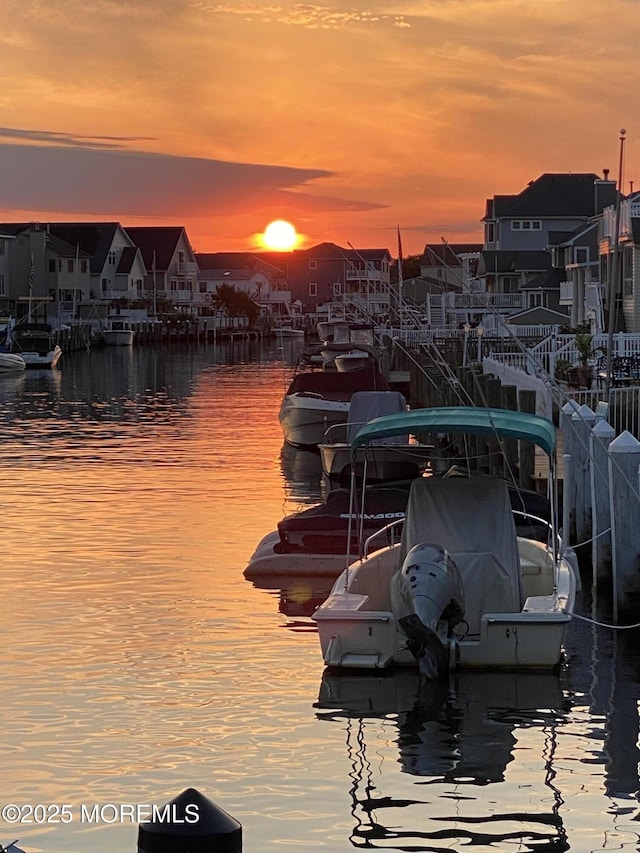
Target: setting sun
{"points": [[280, 236]]}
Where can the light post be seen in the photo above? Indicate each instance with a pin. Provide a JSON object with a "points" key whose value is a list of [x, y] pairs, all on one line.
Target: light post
{"points": [[480, 333]]}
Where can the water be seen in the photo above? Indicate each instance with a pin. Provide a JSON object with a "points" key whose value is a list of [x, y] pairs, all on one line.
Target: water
{"points": [[137, 661]]}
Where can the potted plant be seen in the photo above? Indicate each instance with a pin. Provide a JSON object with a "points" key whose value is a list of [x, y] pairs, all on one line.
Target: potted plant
{"points": [[582, 342]]}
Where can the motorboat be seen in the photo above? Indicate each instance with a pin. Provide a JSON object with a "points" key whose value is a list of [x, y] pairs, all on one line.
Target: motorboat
{"points": [[286, 329], [318, 399], [35, 344], [117, 331], [461, 588], [11, 362], [321, 540], [317, 541], [393, 458], [349, 346]]}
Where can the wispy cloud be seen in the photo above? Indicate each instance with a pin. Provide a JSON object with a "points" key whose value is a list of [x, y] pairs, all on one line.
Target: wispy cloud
{"points": [[307, 15], [53, 137]]}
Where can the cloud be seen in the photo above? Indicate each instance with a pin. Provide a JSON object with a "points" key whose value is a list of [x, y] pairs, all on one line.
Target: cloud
{"points": [[52, 136], [308, 15], [139, 183]]}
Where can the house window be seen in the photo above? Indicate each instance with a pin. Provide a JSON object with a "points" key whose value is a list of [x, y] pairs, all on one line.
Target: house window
{"points": [[52, 264], [2, 291], [536, 299], [582, 256], [83, 266], [69, 265], [173, 284], [104, 283], [313, 265], [112, 257], [491, 232], [337, 288], [202, 286], [526, 225], [2, 247], [313, 288]]}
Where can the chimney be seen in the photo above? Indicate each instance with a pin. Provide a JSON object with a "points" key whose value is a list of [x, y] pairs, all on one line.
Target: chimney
{"points": [[606, 174]]}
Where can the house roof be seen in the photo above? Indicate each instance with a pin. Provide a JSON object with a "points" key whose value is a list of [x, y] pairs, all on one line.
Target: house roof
{"points": [[127, 259], [537, 315], [235, 261], [547, 280], [438, 254], [553, 195], [95, 238], [157, 244]]}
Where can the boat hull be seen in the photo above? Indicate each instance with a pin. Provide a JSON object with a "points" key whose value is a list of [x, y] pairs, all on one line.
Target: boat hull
{"points": [[118, 337], [358, 628], [305, 419], [40, 361], [11, 363], [384, 462]]}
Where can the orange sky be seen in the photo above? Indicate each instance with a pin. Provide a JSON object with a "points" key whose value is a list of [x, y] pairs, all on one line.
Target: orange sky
{"points": [[347, 119]]}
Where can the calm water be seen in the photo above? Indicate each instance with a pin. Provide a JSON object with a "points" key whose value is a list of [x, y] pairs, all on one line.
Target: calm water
{"points": [[137, 661]]}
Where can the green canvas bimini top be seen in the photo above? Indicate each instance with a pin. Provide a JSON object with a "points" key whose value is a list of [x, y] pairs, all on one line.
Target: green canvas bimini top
{"points": [[470, 419]]}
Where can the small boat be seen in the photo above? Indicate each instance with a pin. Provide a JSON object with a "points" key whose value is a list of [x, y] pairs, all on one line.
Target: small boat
{"points": [[286, 329], [315, 541], [394, 458], [118, 332], [315, 400], [35, 344], [11, 362], [351, 346], [461, 589]]}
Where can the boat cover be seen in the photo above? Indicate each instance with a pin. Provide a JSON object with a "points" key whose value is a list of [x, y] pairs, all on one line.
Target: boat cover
{"points": [[324, 529], [472, 519], [465, 419], [336, 385], [366, 405]]}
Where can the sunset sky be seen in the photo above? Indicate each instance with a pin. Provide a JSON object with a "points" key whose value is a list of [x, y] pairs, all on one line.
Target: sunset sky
{"points": [[348, 119]]}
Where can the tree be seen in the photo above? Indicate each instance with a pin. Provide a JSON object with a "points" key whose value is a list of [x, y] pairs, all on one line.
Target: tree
{"points": [[233, 303], [410, 268]]}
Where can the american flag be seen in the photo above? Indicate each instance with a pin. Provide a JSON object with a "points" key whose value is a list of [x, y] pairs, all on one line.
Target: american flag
{"points": [[31, 274]]}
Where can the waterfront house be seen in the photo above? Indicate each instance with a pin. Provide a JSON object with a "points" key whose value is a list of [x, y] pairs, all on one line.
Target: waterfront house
{"points": [[262, 281], [326, 273], [171, 268]]}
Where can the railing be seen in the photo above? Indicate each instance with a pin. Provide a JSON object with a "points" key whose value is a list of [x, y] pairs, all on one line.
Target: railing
{"points": [[484, 300], [624, 406]]}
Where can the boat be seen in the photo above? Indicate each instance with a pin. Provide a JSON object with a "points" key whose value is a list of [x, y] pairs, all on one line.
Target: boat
{"points": [[318, 399], [318, 541], [11, 362], [117, 331], [286, 329], [348, 346], [394, 458], [461, 589], [35, 344]]}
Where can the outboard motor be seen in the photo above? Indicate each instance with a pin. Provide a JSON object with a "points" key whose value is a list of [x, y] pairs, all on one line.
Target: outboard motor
{"points": [[428, 602]]}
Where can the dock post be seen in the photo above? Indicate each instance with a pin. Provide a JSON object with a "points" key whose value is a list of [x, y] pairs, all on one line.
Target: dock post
{"points": [[568, 484], [582, 422], [601, 437], [624, 459], [190, 823]]}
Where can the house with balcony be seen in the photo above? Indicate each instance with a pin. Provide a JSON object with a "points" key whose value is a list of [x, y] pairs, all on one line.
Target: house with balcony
{"points": [[516, 262], [171, 268], [262, 281], [42, 273], [360, 279]]}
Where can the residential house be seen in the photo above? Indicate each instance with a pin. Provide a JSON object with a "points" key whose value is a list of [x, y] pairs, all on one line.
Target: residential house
{"points": [[104, 243], [170, 263], [44, 275], [264, 282], [516, 265], [328, 273]]}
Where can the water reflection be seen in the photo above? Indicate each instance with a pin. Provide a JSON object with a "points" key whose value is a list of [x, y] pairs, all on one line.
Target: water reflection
{"points": [[302, 472], [457, 741]]}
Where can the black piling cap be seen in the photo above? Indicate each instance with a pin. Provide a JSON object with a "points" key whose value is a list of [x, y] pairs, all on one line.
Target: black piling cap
{"points": [[190, 823]]}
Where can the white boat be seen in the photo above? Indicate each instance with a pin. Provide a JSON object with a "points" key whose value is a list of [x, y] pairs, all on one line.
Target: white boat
{"points": [[35, 344], [118, 332], [461, 589], [316, 400], [394, 458], [11, 362], [286, 329]]}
